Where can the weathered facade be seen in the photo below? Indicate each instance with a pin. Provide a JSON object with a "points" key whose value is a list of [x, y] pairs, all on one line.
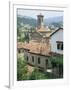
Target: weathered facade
{"points": [[56, 41], [37, 55], [42, 42], [36, 52]]}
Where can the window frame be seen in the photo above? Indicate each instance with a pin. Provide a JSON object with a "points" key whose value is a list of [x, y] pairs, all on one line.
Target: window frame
{"points": [[27, 58], [39, 61], [33, 59], [59, 45]]}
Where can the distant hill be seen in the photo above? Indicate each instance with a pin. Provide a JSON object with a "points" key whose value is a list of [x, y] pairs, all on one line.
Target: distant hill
{"points": [[25, 20], [53, 20]]}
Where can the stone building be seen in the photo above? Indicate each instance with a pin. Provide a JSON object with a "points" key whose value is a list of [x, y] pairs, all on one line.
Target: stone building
{"points": [[36, 52], [42, 42]]}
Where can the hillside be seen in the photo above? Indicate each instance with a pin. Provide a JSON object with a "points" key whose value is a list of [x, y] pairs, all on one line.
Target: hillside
{"points": [[24, 20], [29, 21]]}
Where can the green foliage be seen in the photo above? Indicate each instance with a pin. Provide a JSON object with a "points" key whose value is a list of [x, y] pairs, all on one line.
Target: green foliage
{"points": [[22, 72], [58, 59], [21, 69], [26, 21], [26, 38], [57, 62], [37, 75]]}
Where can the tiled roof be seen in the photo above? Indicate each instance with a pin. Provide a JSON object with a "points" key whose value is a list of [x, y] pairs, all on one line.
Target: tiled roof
{"points": [[56, 31], [42, 48], [35, 47], [43, 30]]}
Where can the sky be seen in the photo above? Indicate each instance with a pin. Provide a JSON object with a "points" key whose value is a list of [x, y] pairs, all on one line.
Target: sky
{"points": [[34, 13]]}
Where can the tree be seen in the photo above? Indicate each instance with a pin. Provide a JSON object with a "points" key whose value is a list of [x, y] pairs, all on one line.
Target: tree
{"points": [[21, 70], [36, 75], [57, 62]]}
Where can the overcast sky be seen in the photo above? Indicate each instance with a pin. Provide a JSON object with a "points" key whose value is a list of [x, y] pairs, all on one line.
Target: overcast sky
{"points": [[34, 13]]}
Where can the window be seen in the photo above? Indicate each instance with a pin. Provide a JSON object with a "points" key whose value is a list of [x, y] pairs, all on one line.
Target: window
{"points": [[59, 45], [38, 60], [46, 63], [27, 58], [19, 51], [32, 58], [62, 47]]}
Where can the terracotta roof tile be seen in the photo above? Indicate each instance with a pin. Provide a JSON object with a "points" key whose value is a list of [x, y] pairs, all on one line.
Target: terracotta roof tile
{"points": [[34, 47], [43, 30]]}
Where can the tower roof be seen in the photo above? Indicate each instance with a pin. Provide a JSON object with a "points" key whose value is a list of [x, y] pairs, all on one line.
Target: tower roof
{"points": [[40, 15]]}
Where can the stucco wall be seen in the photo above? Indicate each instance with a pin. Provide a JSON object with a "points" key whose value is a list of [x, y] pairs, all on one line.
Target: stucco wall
{"points": [[58, 36], [35, 63]]}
